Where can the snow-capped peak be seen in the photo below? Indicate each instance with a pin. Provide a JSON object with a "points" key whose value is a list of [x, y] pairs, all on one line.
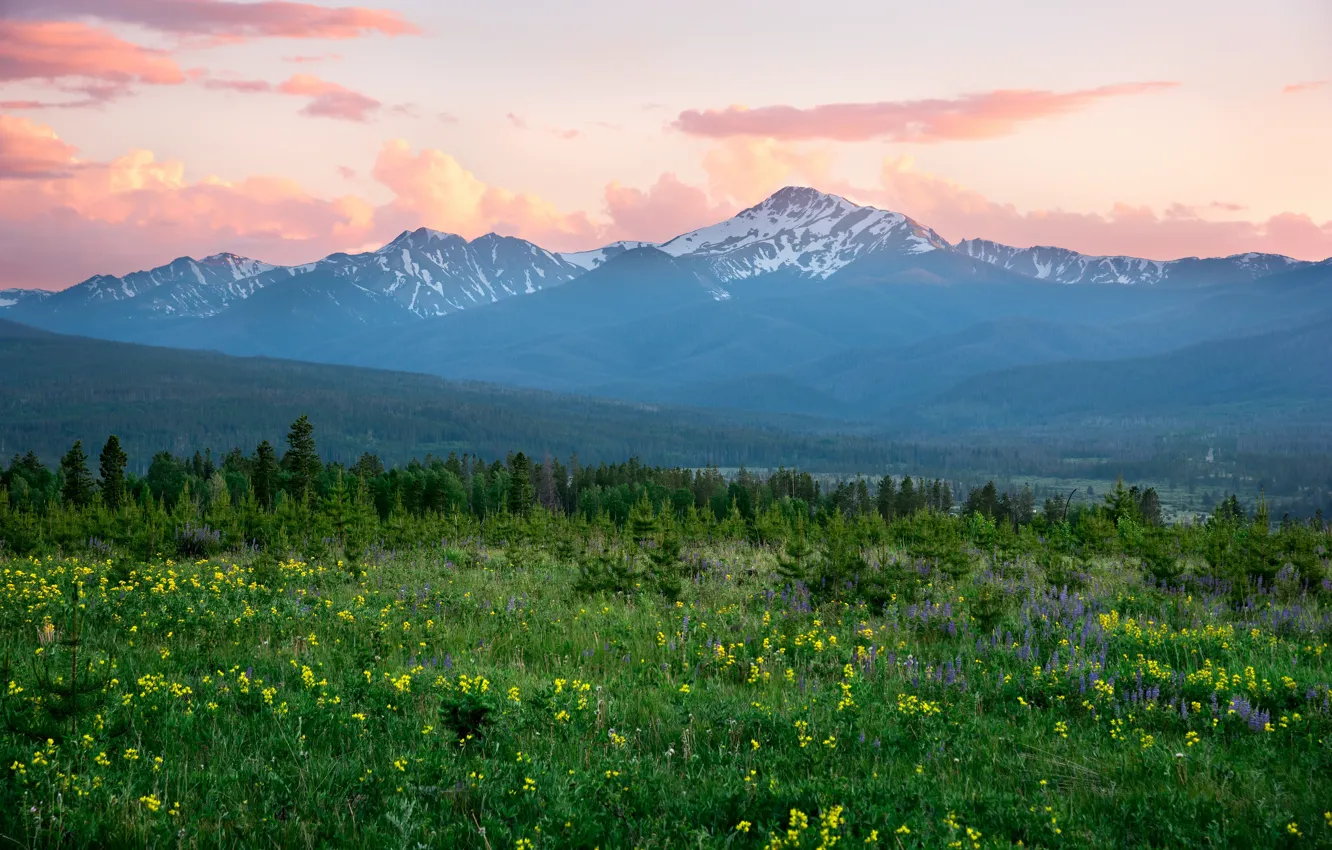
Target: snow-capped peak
{"points": [[432, 273], [801, 229], [1061, 265], [184, 287]]}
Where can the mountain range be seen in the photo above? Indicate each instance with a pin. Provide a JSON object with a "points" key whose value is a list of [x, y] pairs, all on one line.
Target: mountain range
{"points": [[803, 304]]}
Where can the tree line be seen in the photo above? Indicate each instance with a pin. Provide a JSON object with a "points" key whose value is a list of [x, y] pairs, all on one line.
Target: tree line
{"points": [[294, 502]]}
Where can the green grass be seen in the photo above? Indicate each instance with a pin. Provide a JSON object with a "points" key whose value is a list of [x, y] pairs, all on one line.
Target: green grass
{"points": [[430, 699]]}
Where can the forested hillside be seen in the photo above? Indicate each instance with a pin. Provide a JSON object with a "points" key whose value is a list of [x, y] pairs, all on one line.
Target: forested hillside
{"points": [[57, 389]]}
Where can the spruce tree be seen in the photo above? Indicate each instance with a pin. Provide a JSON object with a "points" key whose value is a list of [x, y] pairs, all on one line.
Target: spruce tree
{"points": [[78, 489], [887, 498], [793, 562], [906, 498], [302, 460], [642, 524], [265, 475], [520, 485], [112, 469], [1150, 507], [369, 466]]}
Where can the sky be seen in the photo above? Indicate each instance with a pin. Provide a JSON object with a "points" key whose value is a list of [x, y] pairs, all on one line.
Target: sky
{"points": [[136, 131]]}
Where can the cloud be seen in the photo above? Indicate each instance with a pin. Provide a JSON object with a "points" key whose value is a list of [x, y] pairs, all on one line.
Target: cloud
{"points": [[747, 170], [63, 220], [974, 116], [1298, 88], [662, 211], [29, 150], [958, 212], [81, 59], [433, 189], [229, 21], [322, 57], [329, 100], [242, 86]]}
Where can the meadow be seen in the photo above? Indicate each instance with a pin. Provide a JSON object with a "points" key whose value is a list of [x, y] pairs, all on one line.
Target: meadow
{"points": [[557, 682]]}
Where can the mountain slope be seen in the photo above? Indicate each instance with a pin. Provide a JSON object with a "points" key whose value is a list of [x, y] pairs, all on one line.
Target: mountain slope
{"points": [[1061, 265], [801, 229], [1258, 378], [591, 259], [185, 288], [428, 273], [55, 389], [14, 297]]}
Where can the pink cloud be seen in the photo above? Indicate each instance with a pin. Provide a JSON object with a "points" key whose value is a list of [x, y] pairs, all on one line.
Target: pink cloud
{"points": [[322, 57], [974, 116], [29, 150], [225, 20], [662, 211], [329, 100], [242, 86], [958, 212], [433, 189], [1297, 88], [64, 220], [746, 170], [99, 64]]}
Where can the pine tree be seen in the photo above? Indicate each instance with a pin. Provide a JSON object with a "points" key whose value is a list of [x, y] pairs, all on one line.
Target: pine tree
{"points": [[548, 493], [983, 501], [1024, 507], [642, 525], [338, 508], [453, 464], [265, 480], [112, 469], [887, 498], [863, 503], [520, 487], [78, 489], [1150, 507], [906, 498], [793, 563], [302, 460], [369, 466], [1122, 503]]}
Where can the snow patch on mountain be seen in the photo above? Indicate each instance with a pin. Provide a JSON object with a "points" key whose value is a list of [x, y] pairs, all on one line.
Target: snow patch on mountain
{"points": [[804, 230], [183, 288], [589, 260], [15, 297], [430, 273], [1061, 265]]}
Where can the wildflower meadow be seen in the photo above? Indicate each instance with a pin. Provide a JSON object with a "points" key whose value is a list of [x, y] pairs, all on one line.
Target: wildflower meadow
{"points": [[549, 688]]}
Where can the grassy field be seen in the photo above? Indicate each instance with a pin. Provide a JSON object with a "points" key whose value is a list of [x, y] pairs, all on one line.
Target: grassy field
{"points": [[464, 697]]}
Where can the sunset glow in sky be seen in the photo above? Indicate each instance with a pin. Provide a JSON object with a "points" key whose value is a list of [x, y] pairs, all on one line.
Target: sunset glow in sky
{"points": [[136, 131]]}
